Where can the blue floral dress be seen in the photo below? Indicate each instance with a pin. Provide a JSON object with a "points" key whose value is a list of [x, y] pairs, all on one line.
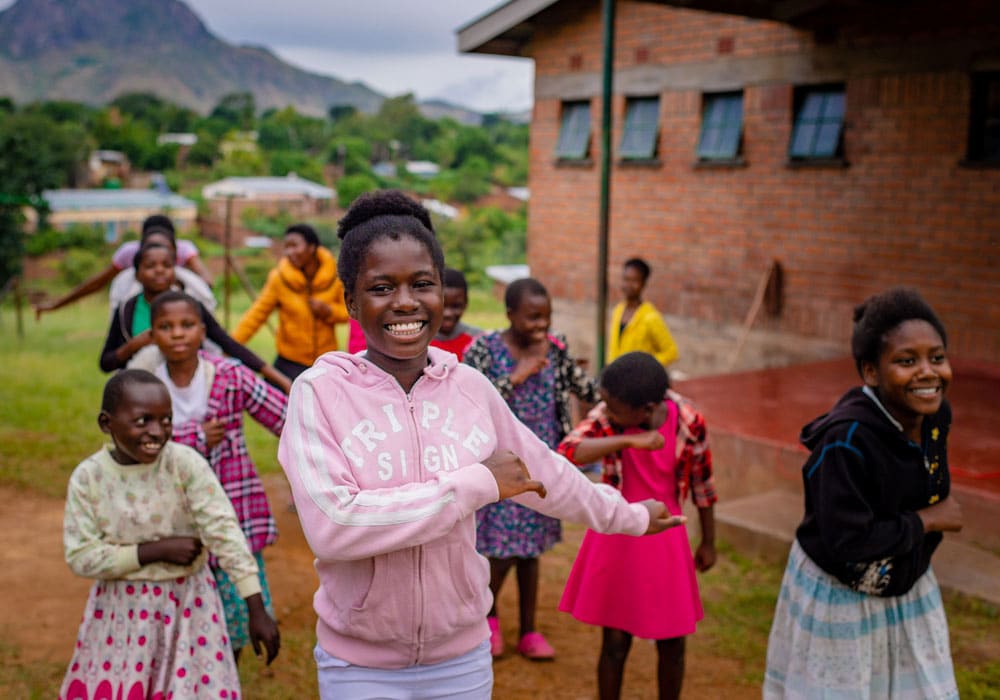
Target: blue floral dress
{"points": [[507, 529]]}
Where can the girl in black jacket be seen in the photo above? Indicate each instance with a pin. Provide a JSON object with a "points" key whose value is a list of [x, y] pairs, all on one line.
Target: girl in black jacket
{"points": [[860, 612]]}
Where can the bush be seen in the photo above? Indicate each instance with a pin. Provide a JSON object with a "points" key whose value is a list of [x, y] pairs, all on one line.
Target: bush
{"points": [[351, 186], [78, 236], [80, 264]]}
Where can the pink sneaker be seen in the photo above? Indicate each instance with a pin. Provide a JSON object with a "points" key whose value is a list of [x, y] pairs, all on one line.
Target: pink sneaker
{"points": [[496, 638], [533, 646]]}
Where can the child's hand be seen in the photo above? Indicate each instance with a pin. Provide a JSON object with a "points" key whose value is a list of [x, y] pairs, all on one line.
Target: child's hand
{"points": [[943, 516], [648, 440], [660, 518], [512, 475], [214, 430], [263, 629], [704, 558], [173, 550], [320, 310], [527, 367]]}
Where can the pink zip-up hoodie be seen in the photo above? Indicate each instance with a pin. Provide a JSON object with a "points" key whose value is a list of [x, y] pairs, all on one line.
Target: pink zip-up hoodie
{"points": [[387, 484]]}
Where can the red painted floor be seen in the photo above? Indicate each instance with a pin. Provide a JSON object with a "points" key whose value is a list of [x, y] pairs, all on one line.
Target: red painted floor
{"points": [[772, 405]]}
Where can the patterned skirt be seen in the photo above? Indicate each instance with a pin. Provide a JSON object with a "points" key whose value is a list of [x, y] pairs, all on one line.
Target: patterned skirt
{"points": [[829, 641], [153, 639], [507, 529]]}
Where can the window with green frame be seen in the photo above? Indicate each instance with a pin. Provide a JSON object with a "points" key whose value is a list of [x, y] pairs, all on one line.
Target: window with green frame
{"points": [[642, 118], [721, 126], [984, 119], [819, 123], [574, 134]]}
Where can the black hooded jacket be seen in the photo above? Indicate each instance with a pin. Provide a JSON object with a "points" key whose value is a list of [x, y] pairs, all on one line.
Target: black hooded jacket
{"points": [[863, 483]]}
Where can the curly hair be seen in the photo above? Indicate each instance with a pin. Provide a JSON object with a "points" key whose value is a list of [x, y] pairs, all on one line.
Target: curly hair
{"points": [[881, 313], [307, 232], [640, 265], [377, 215], [519, 289], [636, 378]]}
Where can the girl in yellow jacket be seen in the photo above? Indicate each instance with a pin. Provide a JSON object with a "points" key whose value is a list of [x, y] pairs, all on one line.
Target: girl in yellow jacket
{"points": [[310, 301], [636, 324]]}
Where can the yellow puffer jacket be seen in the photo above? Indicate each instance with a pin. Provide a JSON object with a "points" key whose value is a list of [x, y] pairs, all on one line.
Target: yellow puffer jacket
{"points": [[302, 337]]}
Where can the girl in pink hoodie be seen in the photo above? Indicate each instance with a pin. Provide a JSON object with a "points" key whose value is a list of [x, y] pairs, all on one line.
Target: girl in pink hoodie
{"points": [[390, 453]]}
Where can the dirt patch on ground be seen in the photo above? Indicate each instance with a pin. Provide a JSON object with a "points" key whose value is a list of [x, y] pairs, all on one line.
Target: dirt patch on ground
{"points": [[43, 602]]}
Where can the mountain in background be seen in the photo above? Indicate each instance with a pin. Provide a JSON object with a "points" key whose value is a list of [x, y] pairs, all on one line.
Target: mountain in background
{"points": [[94, 50]]}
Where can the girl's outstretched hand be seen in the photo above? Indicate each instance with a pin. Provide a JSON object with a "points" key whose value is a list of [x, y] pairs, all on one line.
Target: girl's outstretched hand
{"points": [[660, 518], [263, 629], [512, 475]]}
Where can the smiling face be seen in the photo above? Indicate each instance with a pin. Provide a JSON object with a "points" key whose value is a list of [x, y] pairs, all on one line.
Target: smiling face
{"points": [[141, 424], [398, 301], [455, 303], [911, 375], [298, 252], [530, 321], [155, 271], [178, 331]]}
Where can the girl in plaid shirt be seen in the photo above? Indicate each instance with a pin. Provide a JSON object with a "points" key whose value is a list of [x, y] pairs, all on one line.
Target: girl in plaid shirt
{"points": [[209, 395], [653, 445]]}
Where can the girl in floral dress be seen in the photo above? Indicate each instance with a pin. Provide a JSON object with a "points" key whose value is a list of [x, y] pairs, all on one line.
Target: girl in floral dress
{"points": [[141, 516], [535, 373]]}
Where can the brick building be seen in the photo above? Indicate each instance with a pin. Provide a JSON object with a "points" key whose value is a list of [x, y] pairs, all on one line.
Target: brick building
{"points": [[855, 142]]}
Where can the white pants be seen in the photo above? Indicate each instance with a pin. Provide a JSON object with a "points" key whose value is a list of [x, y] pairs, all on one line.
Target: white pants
{"points": [[466, 677]]}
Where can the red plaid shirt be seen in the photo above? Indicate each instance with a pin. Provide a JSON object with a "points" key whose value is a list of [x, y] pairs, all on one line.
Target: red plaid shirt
{"points": [[236, 389], [694, 458]]}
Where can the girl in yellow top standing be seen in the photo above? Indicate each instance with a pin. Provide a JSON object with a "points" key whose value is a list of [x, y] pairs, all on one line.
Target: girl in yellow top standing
{"points": [[636, 324], [310, 301]]}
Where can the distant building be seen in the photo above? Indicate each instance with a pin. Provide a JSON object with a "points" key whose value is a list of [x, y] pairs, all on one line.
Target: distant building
{"points": [[181, 139], [116, 211], [853, 142], [267, 196], [436, 206], [422, 168], [106, 165]]}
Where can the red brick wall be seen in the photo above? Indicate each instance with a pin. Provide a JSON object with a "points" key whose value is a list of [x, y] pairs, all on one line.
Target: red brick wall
{"points": [[903, 212]]}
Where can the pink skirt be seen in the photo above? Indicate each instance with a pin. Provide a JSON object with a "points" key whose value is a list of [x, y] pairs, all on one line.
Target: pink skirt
{"points": [[153, 639], [645, 586]]}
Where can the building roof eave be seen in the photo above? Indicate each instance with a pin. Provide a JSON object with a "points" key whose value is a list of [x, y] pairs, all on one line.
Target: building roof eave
{"points": [[504, 30], [508, 29]]}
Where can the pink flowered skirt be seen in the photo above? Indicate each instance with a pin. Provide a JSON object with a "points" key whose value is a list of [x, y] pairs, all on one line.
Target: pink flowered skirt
{"points": [[153, 639]]}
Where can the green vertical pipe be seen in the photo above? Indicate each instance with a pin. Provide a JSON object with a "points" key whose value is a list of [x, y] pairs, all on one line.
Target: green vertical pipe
{"points": [[607, 70]]}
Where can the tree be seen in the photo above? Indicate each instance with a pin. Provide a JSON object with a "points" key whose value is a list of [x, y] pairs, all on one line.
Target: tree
{"points": [[338, 112], [238, 109], [351, 186], [36, 154]]}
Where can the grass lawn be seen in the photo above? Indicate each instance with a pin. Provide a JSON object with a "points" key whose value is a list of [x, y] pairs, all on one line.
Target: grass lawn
{"points": [[49, 399]]}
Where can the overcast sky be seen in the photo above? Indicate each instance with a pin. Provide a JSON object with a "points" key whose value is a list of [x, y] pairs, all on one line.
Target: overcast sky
{"points": [[394, 46]]}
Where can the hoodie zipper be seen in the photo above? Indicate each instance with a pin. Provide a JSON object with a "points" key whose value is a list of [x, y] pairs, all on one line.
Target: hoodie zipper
{"points": [[420, 602]]}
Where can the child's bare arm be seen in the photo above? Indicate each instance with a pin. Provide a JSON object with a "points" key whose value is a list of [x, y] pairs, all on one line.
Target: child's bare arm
{"points": [[263, 630], [705, 556], [592, 449], [173, 550]]}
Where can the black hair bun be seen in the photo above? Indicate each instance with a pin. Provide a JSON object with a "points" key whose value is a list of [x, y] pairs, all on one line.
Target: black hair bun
{"points": [[371, 205]]}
